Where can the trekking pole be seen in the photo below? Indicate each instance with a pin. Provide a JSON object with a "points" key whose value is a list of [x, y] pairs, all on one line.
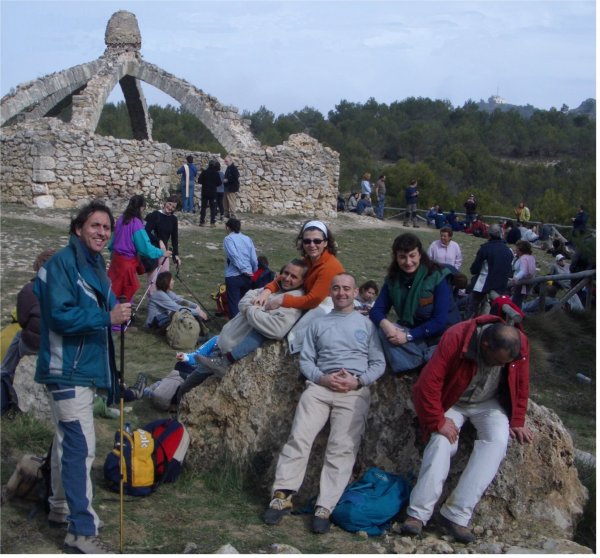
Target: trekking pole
{"points": [[122, 299], [152, 281], [209, 314]]}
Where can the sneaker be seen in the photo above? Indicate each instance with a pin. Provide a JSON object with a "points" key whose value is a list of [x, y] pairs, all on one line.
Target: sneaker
{"points": [[320, 521], [280, 505], [219, 364], [139, 386], [412, 526], [460, 533], [80, 544]]}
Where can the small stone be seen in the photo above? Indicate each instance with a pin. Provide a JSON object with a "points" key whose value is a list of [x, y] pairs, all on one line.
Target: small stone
{"points": [[226, 549], [278, 548], [478, 530], [489, 533], [442, 547], [362, 534], [190, 548]]}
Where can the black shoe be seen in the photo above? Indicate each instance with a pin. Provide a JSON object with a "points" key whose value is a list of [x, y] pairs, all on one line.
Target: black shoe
{"points": [[320, 521], [280, 505], [460, 533]]}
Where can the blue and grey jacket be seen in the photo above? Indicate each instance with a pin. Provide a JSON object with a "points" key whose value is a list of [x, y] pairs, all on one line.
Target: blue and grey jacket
{"points": [[76, 346]]}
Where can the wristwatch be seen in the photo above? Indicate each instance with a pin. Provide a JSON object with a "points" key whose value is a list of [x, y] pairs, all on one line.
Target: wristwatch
{"points": [[409, 337]]}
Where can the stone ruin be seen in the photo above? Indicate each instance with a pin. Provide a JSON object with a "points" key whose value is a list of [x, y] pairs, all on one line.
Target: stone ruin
{"points": [[245, 418], [49, 163]]}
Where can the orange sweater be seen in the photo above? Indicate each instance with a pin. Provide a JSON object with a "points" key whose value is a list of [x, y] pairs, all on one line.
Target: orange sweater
{"points": [[316, 283]]}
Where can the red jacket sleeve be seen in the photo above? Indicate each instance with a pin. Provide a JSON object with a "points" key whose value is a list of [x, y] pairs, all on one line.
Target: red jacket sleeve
{"points": [[518, 385]]}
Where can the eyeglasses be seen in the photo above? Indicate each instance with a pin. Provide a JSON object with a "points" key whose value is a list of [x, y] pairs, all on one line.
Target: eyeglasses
{"points": [[316, 241]]}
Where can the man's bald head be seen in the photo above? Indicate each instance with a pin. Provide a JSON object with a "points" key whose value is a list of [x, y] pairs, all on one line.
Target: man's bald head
{"points": [[500, 344]]}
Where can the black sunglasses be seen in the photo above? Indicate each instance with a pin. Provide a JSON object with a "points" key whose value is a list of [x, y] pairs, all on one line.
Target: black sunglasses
{"points": [[316, 241]]}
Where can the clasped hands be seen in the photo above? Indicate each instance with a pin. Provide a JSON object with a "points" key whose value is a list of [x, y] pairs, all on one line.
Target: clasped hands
{"points": [[342, 381], [395, 334]]}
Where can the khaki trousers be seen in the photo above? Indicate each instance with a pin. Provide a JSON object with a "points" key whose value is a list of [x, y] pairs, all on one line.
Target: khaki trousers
{"points": [[230, 203], [347, 413]]}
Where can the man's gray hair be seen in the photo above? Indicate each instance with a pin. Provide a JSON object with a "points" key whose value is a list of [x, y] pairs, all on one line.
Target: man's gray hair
{"points": [[495, 231]]}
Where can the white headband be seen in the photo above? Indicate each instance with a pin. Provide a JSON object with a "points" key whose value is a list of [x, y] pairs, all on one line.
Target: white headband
{"points": [[317, 225]]}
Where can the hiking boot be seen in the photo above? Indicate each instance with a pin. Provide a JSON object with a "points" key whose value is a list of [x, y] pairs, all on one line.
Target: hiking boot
{"points": [[412, 526], [280, 505], [202, 225], [80, 544], [320, 522], [213, 225], [415, 226], [460, 533], [140, 384], [218, 365]]}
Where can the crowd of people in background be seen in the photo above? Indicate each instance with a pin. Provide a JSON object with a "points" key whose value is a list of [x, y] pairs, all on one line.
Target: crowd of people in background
{"points": [[311, 301]]}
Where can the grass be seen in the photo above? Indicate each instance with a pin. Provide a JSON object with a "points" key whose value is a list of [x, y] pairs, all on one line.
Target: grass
{"points": [[214, 509]]}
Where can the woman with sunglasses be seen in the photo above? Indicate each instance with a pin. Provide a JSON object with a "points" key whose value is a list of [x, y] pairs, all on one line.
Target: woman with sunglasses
{"points": [[316, 243], [419, 291]]}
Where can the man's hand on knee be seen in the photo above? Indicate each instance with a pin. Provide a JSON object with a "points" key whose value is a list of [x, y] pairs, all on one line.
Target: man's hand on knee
{"points": [[449, 430]]}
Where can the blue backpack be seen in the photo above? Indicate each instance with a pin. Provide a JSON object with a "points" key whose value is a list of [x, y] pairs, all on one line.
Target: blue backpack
{"points": [[370, 503]]}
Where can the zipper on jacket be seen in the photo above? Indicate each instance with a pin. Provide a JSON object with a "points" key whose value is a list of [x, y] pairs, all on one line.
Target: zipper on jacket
{"points": [[78, 354]]}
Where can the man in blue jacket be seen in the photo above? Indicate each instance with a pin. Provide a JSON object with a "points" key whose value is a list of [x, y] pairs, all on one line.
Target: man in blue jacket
{"points": [[76, 357], [492, 268]]}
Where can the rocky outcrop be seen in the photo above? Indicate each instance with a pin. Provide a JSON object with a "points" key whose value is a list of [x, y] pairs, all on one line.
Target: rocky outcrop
{"points": [[245, 418], [32, 396]]}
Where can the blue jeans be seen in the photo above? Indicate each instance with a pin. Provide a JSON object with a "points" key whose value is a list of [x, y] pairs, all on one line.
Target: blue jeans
{"points": [[187, 203], [402, 358], [380, 206], [237, 287], [248, 345]]}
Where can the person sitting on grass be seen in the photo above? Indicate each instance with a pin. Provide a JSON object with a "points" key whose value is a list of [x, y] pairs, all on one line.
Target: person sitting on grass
{"points": [[248, 330], [367, 293], [164, 302]]}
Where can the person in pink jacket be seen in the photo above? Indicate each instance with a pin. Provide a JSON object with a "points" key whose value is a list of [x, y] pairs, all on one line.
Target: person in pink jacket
{"points": [[479, 372], [524, 269]]}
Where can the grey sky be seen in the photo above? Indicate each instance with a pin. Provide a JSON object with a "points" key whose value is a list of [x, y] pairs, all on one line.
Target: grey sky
{"points": [[290, 54]]}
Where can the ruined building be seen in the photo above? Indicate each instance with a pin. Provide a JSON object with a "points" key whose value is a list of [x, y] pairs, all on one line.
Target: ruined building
{"points": [[50, 163]]}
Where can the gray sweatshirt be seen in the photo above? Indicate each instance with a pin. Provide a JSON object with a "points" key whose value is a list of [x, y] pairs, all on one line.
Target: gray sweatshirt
{"points": [[342, 340]]}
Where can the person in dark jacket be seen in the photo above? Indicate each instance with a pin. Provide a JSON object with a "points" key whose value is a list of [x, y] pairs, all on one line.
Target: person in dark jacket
{"points": [[232, 187], [479, 373], [513, 232], [210, 180], [492, 267], [76, 358], [580, 221], [27, 340]]}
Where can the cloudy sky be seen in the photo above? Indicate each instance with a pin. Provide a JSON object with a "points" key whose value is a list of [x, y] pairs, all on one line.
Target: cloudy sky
{"points": [[286, 55]]}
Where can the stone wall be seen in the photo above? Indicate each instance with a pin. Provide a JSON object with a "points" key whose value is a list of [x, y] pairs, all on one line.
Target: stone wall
{"points": [[49, 164]]}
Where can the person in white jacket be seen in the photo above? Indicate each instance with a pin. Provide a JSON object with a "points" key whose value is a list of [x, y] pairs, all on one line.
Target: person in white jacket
{"points": [[249, 329]]}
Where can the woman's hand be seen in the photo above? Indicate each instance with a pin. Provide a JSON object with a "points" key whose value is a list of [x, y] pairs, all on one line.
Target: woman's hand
{"points": [[180, 357], [273, 303], [201, 313], [262, 298], [393, 333]]}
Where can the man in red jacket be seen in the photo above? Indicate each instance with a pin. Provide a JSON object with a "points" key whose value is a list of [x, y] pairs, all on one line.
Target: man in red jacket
{"points": [[479, 372]]}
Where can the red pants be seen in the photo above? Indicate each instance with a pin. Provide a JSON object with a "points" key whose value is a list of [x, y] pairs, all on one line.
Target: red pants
{"points": [[123, 274]]}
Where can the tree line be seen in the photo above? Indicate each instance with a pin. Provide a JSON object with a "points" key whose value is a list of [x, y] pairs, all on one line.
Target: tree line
{"points": [[546, 160]]}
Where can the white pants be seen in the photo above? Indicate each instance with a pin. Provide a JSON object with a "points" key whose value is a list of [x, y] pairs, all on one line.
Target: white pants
{"points": [[73, 452], [491, 423], [348, 416]]}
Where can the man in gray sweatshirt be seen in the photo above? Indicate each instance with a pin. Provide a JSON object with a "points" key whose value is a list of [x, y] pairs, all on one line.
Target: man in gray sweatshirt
{"points": [[341, 357]]}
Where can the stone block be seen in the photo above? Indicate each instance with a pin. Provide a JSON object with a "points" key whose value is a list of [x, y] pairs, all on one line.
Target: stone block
{"points": [[44, 202], [43, 176]]}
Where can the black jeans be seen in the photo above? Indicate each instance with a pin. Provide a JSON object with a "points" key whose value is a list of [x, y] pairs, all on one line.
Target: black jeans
{"points": [[212, 203]]}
